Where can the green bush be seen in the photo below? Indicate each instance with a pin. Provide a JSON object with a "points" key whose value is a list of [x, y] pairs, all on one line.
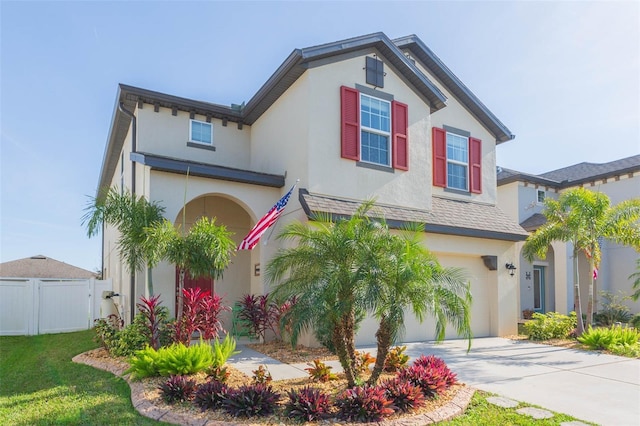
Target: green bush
{"points": [[222, 351], [175, 359], [635, 321], [551, 325], [616, 339], [613, 309]]}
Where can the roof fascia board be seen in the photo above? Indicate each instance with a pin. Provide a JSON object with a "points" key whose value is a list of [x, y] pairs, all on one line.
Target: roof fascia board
{"points": [[113, 148], [465, 95], [173, 165], [521, 177]]}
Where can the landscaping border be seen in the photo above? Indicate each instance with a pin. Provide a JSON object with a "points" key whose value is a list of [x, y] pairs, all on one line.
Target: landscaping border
{"points": [[145, 407]]}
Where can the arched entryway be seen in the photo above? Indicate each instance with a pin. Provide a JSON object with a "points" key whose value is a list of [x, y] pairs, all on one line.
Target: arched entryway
{"points": [[236, 279]]}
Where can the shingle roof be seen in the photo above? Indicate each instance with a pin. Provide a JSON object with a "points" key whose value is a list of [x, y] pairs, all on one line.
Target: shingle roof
{"points": [[573, 175], [534, 222], [42, 267], [587, 171], [447, 216]]}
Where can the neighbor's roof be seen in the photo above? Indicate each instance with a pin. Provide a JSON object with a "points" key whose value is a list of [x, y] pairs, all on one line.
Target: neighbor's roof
{"points": [[573, 175], [42, 267], [287, 74], [451, 217]]}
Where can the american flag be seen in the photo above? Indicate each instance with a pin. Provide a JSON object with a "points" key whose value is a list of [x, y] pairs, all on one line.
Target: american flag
{"points": [[263, 224]]}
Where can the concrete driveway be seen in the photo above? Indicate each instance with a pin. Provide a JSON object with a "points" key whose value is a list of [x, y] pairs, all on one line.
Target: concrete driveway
{"points": [[591, 386]]}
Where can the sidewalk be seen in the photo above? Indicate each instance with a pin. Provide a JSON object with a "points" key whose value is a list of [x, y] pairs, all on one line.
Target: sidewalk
{"points": [[600, 388]]}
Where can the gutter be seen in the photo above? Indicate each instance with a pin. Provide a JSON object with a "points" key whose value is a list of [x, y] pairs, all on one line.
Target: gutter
{"points": [[132, 285]]}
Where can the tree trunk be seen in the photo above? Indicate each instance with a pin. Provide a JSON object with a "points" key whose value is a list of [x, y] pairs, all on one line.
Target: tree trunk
{"points": [[179, 295], [576, 293], [343, 356], [590, 299], [149, 282], [383, 337]]}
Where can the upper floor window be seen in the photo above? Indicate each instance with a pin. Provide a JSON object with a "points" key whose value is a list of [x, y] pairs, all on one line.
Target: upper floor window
{"points": [[457, 160], [201, 132], [375, 130], [540, 196]]}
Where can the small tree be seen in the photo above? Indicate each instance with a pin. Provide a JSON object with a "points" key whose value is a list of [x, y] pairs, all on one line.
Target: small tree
{"points": [[130, 215], [583, 217], [204, 251]]}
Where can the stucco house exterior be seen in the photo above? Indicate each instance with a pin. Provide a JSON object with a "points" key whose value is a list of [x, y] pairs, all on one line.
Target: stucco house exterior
{"points": [[546, 285], [367, 117]]}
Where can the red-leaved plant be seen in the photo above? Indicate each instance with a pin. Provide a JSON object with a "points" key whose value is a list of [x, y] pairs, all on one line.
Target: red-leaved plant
{"points": [[201, 313], [263, 314], [149, 309]]}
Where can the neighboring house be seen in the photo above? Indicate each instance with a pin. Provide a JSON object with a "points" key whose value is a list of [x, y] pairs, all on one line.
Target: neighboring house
{"points": [[547, 285], [367, 117], [43, 267]]}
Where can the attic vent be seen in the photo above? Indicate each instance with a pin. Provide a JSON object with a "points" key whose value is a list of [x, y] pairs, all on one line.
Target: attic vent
{"points": [[39, 257], [375, 72]]}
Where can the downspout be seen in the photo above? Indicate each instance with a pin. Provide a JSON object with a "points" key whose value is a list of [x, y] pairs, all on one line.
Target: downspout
{"points": [[132, 288]]}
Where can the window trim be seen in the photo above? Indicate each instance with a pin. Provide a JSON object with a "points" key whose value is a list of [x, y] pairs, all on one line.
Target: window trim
{"points": [[192, 141], [372, 130], [544, 195], [457, 162]]}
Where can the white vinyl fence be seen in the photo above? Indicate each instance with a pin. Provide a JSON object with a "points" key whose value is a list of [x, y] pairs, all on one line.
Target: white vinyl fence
{"points": [[40, 306]]}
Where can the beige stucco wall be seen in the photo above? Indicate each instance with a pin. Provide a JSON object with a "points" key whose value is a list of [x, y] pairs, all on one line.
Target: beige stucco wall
{"points": [[163, 134]]}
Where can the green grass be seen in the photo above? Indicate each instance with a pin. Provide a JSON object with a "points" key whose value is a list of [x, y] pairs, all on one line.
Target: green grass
{"points": [[40, 385], [481, 412]]}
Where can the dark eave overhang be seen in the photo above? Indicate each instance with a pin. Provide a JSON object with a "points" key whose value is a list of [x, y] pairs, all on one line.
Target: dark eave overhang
{"points": [[420, 51], [298, 61], [173, 165], [524, 177]]}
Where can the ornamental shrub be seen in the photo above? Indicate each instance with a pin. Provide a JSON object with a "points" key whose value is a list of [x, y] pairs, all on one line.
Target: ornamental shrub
{"points": [[551, 325], [623, 339], [396, 359], [251, 400], [307, 404], [175, 359], [210, 395], [178, 389], [363, 404], [403, 394]]}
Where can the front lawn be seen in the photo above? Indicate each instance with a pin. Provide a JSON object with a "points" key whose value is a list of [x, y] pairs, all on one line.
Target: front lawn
{"points": [[39, 384]]}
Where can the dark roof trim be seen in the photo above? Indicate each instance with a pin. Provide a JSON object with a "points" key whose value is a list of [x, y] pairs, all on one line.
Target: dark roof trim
{"points": [[299, 60], [457, 88], [173, 165], [429, 228], [525, 177]]}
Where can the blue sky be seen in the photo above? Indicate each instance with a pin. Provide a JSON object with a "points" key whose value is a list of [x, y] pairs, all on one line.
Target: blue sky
{"points": [[563, 76]]}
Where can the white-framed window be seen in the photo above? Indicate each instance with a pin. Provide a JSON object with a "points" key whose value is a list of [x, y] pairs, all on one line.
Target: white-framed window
{"points": [[201, 132], [375, 130], [457, 162], [540, 194]]}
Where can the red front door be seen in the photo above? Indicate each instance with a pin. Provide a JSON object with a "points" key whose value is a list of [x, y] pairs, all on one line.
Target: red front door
{"points": [[205, 284]]}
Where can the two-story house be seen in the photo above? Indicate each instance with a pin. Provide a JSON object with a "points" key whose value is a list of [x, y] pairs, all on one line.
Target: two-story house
{"points": [[367, 117], [546, 285]]}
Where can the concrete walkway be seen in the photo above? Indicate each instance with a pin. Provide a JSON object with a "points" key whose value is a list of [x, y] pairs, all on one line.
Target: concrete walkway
{"points": [[599, 388]]}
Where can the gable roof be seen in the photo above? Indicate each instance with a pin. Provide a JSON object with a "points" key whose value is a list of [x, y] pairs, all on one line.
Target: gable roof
{"points": [[42, 267], [447, 216], [573, 175], [448, 79], [288, 72]]}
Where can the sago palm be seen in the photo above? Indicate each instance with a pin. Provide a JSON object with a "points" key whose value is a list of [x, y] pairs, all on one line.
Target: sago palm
{"points": [[582, 217]]}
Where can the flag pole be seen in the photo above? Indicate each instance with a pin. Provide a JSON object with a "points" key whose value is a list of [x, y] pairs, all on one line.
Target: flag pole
{"points": [[273, 227]]}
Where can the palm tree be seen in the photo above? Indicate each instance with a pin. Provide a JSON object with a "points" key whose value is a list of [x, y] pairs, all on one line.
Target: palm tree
{"points": [[130, 215], [636, 283], [204, 251], [406, 275], [340, 270], [583, 217], [325, 271]]}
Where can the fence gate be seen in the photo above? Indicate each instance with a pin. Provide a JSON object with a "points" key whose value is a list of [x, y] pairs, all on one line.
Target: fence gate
{"points": [[39, 306]]}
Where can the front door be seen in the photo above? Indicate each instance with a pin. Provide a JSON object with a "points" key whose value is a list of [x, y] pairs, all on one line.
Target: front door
{"points": [[204, 283], [538, 288]]}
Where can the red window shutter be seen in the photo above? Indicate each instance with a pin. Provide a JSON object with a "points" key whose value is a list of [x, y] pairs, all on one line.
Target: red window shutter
{"points": [[475, 165], [439, 157], [350, 118], [400, 135]]}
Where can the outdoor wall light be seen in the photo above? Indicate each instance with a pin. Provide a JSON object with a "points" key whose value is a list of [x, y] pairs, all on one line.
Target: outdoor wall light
{"points": [[511, 267]]}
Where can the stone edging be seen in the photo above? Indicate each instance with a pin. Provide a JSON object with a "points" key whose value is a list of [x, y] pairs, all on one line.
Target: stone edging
{"points": [[145, 407]]}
